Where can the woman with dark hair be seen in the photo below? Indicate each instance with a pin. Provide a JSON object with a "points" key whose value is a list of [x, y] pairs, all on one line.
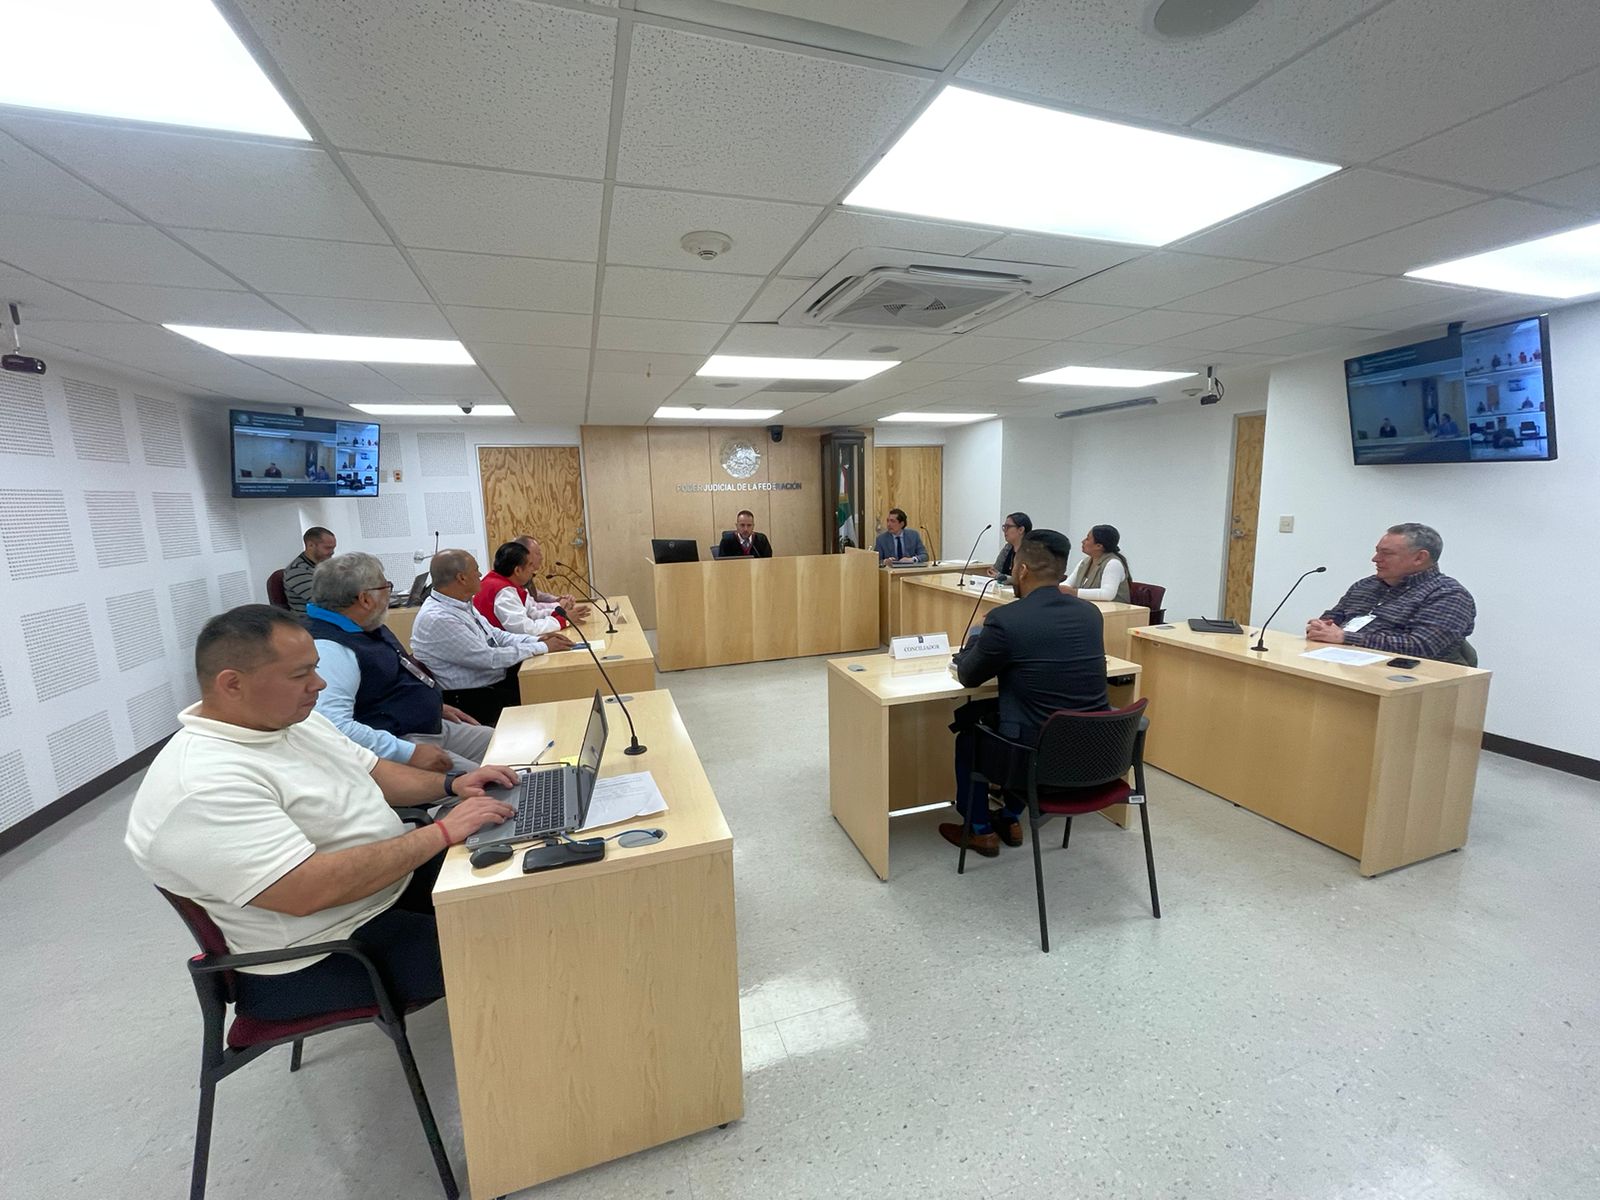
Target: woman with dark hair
{"points": [[1104, 574], [1013, 529]]}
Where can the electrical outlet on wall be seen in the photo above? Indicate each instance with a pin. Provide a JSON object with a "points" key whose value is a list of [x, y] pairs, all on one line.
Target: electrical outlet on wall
{"points": [[1285, 524]]}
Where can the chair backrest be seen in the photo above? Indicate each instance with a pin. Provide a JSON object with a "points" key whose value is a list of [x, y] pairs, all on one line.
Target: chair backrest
{"points": [[1082, 749], [716, 551], [276, 596], [1149, 595], [208, 937]]}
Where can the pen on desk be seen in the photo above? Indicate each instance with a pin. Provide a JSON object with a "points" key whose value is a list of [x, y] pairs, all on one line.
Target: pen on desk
{"points": [[536, 758]]}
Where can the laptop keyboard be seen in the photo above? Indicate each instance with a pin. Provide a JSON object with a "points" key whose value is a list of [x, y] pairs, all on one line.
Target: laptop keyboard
{"points": [[541, 807]]}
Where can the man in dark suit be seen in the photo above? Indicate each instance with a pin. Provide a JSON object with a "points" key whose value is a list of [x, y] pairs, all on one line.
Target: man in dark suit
{"points": [[897, 544], [742, 541], [1048, 651]]}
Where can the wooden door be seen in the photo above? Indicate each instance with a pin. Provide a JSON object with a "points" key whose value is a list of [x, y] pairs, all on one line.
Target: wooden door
{"points": [[1249, 432], [909, 478], [536, 490]]}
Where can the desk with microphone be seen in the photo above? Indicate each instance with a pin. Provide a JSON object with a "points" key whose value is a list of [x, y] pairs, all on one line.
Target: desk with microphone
{"points": [[1261, 639]]}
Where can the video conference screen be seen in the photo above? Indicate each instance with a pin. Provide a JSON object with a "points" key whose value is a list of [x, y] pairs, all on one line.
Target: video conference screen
{"points": [[1483, 396], [280, 454]]}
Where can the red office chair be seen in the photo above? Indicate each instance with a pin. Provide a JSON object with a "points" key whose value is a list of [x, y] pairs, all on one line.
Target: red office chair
{"points": [[212, 972], [1077, 768], [276, 596], [1150, 596]]}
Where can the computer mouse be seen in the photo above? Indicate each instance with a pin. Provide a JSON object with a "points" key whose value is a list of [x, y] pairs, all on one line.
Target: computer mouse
{"points": [[489, 856]]}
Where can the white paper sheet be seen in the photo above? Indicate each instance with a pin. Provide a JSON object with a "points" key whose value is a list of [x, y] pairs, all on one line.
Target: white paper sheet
{"points": [[624, 797], [1348, 658]]}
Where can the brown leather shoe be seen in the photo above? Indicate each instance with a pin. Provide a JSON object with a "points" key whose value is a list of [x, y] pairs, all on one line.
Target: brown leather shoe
{"points": [[986, 844], [1009, 832]]}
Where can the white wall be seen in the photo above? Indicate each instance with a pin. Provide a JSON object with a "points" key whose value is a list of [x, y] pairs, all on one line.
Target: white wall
{"points": [[120, 539], [1524, 538], [972, 495]]}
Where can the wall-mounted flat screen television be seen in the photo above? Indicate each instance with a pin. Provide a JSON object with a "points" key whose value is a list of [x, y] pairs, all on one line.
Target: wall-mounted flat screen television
{"points": [[280, 454], [1483, 396]]}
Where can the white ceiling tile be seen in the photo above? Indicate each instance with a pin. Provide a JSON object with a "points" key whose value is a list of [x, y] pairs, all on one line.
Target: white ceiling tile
{"points": [[544, 409], [562, 368], [1097, 55], [778, 341], [521, 328], [1341, 209], [671, 337], [499, 83], [1154, 358], [37, 187], [97, 250], [484, 281], [191, 306], [647, 228], [1079, 253], [1407, 71], [773, 300], [906, 345], [1464, 306], [977, 349], [643, 363], [845, 231], [711, 393], [723, 116], [1358, 306], [367, 318], [1308, 341], [1482, 227], [1269, 290], [204, 181], [1154, 325], [1534, 139], [520, 386], [1230, 335], [41, 301], [611, 387], [1063, 353], [675, 295], [303, 267], [1159, 278], [439, 207], [1580, 190], [436, 381], [1052, 320], [351, 382]]}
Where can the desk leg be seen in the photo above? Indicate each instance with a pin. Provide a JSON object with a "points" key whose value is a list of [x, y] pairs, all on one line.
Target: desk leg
{"points": [[858, 770]]}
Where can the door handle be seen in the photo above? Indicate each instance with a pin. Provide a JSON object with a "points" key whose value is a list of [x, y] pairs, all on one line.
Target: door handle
{"points": [[1238, 535]]}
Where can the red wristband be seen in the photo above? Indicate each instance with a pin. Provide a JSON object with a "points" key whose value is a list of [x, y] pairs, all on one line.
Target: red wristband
{"points": [[439, 825]]}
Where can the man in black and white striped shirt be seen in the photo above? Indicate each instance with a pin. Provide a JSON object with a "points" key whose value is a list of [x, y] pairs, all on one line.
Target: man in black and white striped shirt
{"points": [[320, 545]]}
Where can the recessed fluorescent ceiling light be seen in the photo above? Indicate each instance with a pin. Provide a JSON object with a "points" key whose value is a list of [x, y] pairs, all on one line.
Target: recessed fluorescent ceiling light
{"points": [[989, 161], [1561, 266], [936, 418], [328, 347], [668, 413], [732, 366], [1105, 377], [173, 62], [434, 410]]}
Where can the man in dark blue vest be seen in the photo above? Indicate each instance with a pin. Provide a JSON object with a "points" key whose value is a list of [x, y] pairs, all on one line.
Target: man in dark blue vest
{"points": [[377, 694]]}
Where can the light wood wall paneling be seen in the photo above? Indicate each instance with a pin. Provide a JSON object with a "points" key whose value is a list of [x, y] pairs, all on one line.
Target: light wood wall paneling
{"points": [[1249, 435], [796, 517], [725, 506], [681, 456], [536, 490], [616, 470], [910, 478]]}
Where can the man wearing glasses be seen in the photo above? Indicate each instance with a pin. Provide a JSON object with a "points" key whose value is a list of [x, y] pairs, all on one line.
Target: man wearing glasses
{"points": [[378, 696]]}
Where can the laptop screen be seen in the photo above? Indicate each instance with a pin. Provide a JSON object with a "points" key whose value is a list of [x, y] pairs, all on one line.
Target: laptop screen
{"points": [[594, 745]]}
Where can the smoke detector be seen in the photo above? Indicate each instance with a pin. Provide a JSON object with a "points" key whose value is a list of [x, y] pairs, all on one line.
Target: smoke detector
{"points": [[706, 244]]}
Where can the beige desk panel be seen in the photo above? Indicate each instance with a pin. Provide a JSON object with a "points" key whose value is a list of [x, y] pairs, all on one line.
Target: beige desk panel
{"points": [[890, 748], [933, 604], [889, 592], [594, 1011], [1379, 770], [571, 674], [755, 610], [399, 621]]}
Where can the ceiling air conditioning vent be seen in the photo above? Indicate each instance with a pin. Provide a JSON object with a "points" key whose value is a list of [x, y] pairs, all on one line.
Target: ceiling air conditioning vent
{"points": [[1113, 406], [886, 290]]}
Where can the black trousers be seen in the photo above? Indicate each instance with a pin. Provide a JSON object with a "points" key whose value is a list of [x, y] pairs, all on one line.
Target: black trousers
{"points": [[403, 941], [485, 704]]}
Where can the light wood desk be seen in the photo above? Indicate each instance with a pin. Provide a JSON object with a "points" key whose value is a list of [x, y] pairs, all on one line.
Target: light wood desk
{"points": [[400, 621], [1380, 770], [938, 603], [755, 609], [889, 742], [889, 592], [594, 1010], [571, 674]]}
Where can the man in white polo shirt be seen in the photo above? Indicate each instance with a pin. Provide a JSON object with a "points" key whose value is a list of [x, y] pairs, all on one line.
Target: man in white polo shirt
{"points": [[284, 830]]}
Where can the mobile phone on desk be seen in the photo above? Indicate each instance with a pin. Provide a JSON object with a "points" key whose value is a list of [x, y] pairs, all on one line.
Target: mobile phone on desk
{"points": [[1405, 663], [563, 854]]}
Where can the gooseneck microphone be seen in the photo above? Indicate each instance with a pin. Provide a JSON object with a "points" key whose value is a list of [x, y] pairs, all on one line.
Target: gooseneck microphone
{"points": [[927, 545], [633, 735], [973, 616], [973, 551], [1261, 638], [588, 594], [589, 586]]}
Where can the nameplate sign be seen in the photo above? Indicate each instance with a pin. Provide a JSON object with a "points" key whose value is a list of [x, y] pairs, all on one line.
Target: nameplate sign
{"points": [[920, 645], [739, 487]]}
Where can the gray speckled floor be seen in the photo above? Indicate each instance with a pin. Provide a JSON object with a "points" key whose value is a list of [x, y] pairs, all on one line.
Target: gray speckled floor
{"points": [[1288, 1029]]}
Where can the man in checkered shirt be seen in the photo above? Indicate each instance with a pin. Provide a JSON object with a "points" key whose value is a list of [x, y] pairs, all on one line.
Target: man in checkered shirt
{"points": [[1406, 607]]}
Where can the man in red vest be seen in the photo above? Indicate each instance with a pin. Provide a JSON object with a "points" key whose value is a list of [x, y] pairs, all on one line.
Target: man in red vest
{"points": [[503, 598]]}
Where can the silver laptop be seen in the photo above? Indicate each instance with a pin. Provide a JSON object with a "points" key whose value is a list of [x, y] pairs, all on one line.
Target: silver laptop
{"points": [[551, 799]]}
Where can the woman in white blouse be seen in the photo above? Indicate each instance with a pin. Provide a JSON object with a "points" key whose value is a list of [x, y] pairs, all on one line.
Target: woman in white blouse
{"points": [[1104, 574]]}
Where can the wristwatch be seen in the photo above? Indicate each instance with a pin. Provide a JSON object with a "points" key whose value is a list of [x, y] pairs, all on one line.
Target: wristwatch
{"points": [[450, 778]]}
